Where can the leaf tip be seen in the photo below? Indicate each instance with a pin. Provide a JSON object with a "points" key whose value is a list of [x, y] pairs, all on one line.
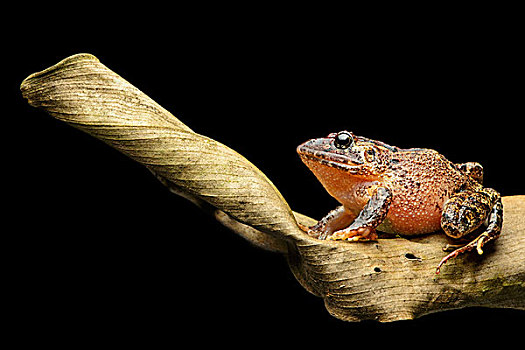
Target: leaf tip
{"points": [[28, 83]]}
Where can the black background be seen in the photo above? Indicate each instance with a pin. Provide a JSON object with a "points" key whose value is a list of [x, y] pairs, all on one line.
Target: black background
{"points": [[103, 249]]}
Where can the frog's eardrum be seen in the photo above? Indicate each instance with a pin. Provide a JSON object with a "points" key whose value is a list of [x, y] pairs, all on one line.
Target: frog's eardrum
{"points": [[389, 280]]}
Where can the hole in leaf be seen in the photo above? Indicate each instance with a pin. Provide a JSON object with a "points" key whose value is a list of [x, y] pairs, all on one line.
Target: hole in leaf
{"points": [[411, 256]]}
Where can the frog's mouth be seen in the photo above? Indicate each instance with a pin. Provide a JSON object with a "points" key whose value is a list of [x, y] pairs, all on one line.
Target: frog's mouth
{"points": [[321, 152]]}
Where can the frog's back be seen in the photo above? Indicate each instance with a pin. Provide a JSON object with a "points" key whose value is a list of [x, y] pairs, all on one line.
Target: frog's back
{"points": [[421, 181]]}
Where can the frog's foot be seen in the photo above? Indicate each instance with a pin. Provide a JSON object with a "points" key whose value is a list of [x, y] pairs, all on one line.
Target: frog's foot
{"points": [[310, 230], [354, 235], [314, 231], [452, 255], [493, 231], [477, 243]]}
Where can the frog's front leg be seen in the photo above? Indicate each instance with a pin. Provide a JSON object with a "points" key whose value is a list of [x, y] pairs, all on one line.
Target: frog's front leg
{"points": [[336, 219], [371, 216], [465, 212]]}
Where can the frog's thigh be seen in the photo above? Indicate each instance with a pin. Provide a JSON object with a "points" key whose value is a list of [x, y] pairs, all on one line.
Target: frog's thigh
{"points": [[465, 212], [493, 231]]}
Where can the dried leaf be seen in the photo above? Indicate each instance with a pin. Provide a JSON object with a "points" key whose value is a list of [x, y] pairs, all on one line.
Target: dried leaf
{"points": [[388, 280], [83, 92]]}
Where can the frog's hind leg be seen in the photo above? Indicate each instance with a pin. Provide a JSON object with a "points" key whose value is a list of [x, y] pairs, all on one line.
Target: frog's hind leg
{"points": [[495, 220]]}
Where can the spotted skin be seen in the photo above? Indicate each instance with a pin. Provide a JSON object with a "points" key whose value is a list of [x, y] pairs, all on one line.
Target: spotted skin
{"points": [[401, 191], [472, 169], [475, 208]]}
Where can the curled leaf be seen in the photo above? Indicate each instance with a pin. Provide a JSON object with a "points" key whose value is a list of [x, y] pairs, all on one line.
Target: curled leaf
{"points": [[388, 280], [83, 92]]}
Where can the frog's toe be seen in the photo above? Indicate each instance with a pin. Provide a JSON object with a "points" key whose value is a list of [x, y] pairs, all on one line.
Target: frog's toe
{"points": [[447, 258], [314, 233], [452, 247], [481, 242], [310, 230], [360, 234], [303, 227], [478, 244], [452, 255], [455, 253]]}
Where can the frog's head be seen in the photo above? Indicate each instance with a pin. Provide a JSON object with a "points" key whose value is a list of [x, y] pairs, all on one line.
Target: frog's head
{"points": [[346, 153]]}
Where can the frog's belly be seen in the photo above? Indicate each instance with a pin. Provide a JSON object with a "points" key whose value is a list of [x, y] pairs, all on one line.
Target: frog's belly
{"points": [[412, 221]]}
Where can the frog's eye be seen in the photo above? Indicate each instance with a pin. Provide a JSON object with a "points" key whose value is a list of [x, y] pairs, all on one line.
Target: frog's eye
{"points": [[343, 140]]}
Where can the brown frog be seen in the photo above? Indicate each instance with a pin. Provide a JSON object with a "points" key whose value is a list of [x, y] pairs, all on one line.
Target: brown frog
{"points": [[400, 191]]}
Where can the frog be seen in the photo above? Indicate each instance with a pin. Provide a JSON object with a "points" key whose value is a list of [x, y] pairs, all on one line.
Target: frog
{"points": [[403, 192]]}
